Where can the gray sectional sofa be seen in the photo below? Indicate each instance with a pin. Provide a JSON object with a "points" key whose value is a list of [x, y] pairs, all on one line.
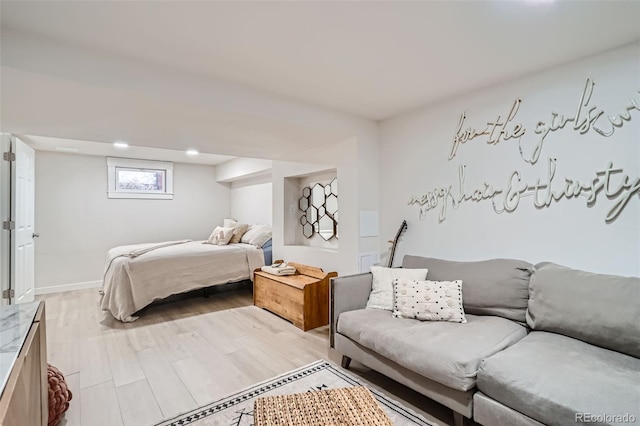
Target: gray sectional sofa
{"points": [[543, 344]]}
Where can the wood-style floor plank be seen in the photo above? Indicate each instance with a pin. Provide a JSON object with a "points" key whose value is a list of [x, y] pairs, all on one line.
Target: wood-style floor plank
{"points": [[63, 348], [99, 406], [166, 336], [138, 405], [94, 362], [203, 388], [72, 415], [230, 377], [171, 394], [125, 367]]}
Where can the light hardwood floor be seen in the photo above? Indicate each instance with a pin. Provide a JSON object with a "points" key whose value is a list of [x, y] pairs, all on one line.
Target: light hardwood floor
{"points": [[181, 355]]}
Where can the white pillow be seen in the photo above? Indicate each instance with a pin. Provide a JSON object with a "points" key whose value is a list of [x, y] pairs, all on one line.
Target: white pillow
{"points": [[251, 232], [429, 300], [257, 235], [229, 223], [220, 236], [381, 296]]}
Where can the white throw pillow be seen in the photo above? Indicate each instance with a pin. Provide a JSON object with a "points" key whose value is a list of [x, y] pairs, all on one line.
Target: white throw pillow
{"points": [[257, 235], [429, 300], [253, 231], [220, 236], [381, 296]]}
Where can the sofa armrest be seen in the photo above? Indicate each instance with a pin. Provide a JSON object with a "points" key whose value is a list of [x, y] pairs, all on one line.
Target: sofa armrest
{"points": [[348, 293]]}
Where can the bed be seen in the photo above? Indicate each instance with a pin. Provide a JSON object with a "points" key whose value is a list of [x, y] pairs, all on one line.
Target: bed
{"points": [[136, 275]]}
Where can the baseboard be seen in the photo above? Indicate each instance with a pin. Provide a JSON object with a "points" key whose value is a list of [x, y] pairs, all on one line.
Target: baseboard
{"points": [[67, 287]]}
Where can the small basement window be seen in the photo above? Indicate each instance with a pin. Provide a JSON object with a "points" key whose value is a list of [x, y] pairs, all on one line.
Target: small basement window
{"points": [[130, 178]]}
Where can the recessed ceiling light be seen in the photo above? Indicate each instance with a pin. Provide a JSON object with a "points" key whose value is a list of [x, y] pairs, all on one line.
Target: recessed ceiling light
{"points": [[192, 152], [121, 144]]}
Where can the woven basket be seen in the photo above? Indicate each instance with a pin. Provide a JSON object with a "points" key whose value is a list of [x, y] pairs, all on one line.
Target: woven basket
{"points": [[59, 395], [354, 406]]}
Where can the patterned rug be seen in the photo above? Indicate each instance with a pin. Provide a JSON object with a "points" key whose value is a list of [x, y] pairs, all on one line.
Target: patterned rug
{"points": [[237, 409]]}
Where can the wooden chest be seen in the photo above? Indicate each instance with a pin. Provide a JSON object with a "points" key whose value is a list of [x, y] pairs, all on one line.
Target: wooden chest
{"points": [[302, 298]]}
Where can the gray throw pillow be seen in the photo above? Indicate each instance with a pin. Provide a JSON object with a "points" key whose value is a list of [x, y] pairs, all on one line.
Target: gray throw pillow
{"points": [[497, 287]]}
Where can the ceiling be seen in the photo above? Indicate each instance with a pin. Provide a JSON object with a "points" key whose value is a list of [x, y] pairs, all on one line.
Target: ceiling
{"points": [[372, 59], [109, 150]]}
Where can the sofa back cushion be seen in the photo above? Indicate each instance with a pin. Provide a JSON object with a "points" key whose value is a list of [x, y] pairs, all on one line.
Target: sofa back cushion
{"points": [[599, 309], [497, 287]]}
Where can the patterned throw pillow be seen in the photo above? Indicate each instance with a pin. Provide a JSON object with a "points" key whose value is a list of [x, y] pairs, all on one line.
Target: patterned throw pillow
{"points": [[238, 231], [220, 236], [428, 300]]}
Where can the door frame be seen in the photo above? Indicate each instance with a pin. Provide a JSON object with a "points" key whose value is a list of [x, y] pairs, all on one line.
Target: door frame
{"points": [[5, 214]]}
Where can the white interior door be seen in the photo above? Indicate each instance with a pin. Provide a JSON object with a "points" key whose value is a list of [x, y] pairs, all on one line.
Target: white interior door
{"points": [[23, 213]]}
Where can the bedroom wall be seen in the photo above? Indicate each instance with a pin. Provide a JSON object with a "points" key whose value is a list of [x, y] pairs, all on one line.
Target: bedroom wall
{"points": [[414, 159], [78, 224], [251, 200]]}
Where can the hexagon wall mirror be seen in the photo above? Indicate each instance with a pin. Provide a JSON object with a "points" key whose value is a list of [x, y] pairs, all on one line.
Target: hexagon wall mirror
{"points": [[319, 205], [327, 227]]}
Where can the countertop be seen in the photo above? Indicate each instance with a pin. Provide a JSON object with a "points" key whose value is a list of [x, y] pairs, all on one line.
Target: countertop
{"points": [[15, 322]]}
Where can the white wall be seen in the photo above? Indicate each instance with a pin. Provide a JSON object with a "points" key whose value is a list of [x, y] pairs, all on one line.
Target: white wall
{"points": [[414, 160], [251, 201], [78, 224]]}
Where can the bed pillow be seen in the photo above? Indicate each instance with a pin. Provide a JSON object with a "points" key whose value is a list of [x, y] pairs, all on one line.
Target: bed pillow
{"points": [[251, 233], [220, 236], [238, 231], [257, 235], [381, 296], [229, 223], [428, 300]]}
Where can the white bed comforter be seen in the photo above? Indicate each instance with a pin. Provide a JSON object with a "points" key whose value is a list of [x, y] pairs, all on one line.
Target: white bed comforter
{"points": [[136, 275]]}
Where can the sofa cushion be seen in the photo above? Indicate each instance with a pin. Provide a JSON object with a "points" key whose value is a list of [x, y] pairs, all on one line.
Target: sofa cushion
{"points": [[550, 378], [596, 308], [447, 352], [492, 287]]}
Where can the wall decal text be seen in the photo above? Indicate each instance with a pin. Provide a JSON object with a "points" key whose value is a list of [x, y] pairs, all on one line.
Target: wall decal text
{"points": [[610, 180], [586, 117]]}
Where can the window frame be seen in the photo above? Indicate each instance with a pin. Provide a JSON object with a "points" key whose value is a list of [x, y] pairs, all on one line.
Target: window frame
{"points": [[115, 163]]}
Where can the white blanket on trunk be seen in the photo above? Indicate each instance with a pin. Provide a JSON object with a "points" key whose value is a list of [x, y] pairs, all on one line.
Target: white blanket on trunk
{"points": [[136, 275]]}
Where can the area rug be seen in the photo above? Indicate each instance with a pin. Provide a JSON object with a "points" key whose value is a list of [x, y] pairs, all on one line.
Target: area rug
{"points": [[237, 409]]}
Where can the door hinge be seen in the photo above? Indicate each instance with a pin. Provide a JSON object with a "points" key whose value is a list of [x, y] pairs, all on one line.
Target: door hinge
{"points": [[6, 294], [8, 225], [9, 156]]}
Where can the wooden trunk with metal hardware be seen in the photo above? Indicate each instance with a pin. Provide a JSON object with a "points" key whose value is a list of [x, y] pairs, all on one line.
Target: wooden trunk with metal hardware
{"points": [[302, 298]]}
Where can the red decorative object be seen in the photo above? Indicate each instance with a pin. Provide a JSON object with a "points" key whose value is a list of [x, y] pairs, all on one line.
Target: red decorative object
{"points": [[59, 395]]}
